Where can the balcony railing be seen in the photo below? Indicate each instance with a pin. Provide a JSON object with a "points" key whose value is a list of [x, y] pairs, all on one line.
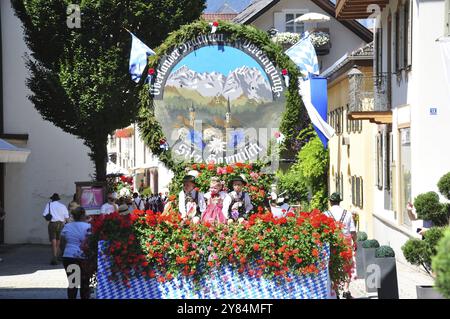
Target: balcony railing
{"points": [[369, 98]]}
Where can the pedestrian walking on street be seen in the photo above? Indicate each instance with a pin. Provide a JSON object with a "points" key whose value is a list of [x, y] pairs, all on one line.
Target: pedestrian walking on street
{"points": [[349, 230], [73, 237], [57, 215]]}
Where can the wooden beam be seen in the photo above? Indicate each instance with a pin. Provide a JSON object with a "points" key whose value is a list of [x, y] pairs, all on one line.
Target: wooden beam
{"points": [[379, 117]]}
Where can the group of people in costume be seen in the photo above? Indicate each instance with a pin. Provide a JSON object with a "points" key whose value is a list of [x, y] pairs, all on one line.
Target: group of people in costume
{"points": [[216, 205]]}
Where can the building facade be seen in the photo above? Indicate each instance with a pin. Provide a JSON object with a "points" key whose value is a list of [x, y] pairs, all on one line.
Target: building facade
{"points": [[412, 152], [352, 148], [345, 36], [57, 159]]}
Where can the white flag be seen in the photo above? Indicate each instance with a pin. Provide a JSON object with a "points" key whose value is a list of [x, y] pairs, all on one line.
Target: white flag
{"points": [[316, 119]]}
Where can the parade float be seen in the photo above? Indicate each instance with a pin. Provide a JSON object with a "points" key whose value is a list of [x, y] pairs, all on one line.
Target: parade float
{"points": [[221, 99], [152, 255]]}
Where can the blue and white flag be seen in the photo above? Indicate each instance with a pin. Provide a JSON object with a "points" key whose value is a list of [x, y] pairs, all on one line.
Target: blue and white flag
{"points": [[138, 58], [304, 55]]}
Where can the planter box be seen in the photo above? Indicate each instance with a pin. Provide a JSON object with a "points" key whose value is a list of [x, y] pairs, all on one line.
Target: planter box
{"points": [[428, 292], [368, 262], [359, 260], [224, 283], [388, 278]]}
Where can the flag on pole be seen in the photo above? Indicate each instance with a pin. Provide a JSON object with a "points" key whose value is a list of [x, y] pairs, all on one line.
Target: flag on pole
{"points": [[304, 55], [138, 58], [317, 120]]}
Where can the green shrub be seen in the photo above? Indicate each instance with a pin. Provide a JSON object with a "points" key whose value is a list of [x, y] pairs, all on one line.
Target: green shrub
{"points": [[444, 185], [428, 207], [420, 252], [384, 252], [371, 243], [361, 236], [441, 265]]}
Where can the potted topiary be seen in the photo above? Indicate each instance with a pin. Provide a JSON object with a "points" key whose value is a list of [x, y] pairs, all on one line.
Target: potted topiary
{"points": [[420, 252], [441, 265], [360, 238], [388, 286], [368, 253], [431, 210]]}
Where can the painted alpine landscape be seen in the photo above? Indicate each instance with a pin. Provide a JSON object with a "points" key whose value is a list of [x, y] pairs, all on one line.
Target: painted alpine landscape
{"points": [[223, 92]]}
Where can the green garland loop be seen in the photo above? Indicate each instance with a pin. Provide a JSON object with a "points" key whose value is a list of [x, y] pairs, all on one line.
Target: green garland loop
{"points": [[294, 119]]}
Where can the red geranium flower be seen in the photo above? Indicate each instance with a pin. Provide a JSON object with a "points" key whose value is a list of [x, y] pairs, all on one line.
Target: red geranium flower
{"points": [[215, 24], [284, 72], [151, 71]]}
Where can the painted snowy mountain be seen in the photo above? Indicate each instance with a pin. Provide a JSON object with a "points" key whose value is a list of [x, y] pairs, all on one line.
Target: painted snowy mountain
{"points": [[242, 85]]}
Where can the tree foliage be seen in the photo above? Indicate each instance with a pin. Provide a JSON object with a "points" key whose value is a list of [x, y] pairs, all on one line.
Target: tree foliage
{"points": [[79, 77], [306, 181]]}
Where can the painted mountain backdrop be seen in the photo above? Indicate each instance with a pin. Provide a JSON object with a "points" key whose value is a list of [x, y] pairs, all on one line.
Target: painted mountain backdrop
{"points": [[243, 86]]}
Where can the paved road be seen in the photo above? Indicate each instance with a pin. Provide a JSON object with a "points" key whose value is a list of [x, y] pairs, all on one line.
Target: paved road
{"points": [[408, 277], [26, 273]]}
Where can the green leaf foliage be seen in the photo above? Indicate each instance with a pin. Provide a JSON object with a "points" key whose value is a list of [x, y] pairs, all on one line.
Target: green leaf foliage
{"points": [[441, 264], [361, 236], [384, 252], [79, 77], [420, 252], [371, 243], [444, 185], [428, 207]]}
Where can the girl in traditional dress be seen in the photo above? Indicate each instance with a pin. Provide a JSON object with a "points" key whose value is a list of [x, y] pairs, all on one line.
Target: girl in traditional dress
{"points": [[214, 211]]}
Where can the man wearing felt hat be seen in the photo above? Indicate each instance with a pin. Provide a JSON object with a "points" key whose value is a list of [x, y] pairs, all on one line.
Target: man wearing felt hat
{"points": [[238, 201], [191, 202], [349, 230]]}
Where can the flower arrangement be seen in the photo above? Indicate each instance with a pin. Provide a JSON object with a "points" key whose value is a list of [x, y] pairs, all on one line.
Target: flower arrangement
{"points": [[319, 38], [163, 246], [124, 133], [286, 38]]}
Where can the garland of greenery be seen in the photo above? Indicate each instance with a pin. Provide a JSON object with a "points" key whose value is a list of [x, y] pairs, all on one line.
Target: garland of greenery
{"points": [[294, 119]]}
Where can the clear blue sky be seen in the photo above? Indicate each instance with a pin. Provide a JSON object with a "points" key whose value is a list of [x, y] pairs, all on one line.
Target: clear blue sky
{"points": [[210, 58]]}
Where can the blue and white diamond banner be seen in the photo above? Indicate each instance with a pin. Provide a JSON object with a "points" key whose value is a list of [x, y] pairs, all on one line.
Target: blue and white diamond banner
{"points": [[224, 283]]}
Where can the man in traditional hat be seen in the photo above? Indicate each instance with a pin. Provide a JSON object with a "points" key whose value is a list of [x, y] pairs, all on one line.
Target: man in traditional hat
{"points": [[237, 204], [59, 216], [349, 230], [191, 202]]}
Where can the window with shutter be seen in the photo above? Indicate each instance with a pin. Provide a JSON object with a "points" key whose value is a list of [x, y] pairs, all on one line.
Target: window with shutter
{"points": [[290, 25], [357, 191], [397, 40], [362, 194], [408, 34], [278, 21]]}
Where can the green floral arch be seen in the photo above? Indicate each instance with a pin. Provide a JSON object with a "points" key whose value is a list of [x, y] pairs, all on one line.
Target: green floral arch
{"points": [[294, 119]]}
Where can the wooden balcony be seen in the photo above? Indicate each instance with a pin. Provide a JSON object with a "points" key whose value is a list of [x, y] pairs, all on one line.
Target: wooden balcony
{"points": [[357, 9], [369, 98]]}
